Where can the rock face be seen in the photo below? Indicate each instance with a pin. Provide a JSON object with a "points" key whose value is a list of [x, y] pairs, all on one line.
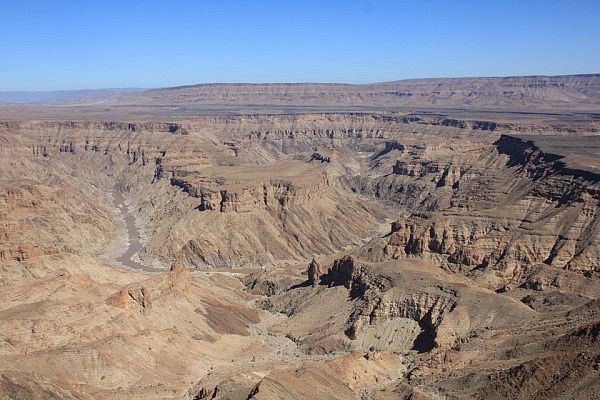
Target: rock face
{"points": [[135, 296], [37, 220], [218, 196], [531, 208], [344, 271], [381, 305], [314, 272], [140, 296]]}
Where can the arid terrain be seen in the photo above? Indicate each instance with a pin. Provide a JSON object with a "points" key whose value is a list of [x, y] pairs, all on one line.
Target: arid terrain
{"points": [[423, 239]]}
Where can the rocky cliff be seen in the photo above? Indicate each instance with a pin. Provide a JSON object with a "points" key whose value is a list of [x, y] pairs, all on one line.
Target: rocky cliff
{"points": [[495, 209]]}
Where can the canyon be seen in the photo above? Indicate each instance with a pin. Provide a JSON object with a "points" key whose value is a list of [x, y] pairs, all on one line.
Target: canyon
{"points": [[426, 239]]}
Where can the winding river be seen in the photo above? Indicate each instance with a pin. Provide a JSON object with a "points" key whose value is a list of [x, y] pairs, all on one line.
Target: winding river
{"points": [[133, 237]]}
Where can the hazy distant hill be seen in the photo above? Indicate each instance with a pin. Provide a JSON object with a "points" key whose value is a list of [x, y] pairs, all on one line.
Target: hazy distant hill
{"points": [[64, 96], [578, 92], [574, 91]]}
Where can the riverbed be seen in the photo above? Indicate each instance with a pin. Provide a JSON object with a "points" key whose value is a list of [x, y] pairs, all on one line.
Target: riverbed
{"points": [[134, 244]]}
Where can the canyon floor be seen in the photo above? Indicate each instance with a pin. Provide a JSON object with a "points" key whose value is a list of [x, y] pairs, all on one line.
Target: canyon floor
{"points": [[236, 242]]}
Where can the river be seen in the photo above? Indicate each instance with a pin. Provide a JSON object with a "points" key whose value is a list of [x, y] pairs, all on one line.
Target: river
{"points": [[133, 237]]}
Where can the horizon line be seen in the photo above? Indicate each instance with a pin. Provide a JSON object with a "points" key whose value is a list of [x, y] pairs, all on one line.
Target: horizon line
{"points": [[232, 83]]}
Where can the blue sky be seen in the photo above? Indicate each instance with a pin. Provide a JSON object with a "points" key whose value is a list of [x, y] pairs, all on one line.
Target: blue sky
{"points": [[48, 45]]}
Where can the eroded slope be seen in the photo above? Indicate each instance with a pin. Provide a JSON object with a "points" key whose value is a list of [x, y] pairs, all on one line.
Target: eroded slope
{"points": [[450, 261]]}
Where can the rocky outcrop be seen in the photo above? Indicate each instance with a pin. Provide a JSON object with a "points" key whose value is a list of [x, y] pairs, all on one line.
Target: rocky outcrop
{"points": [[314, 272], [269, 283], [474, 125], [133, 296], [534, 208], [427, 309], [415, 170], [320, 157], [390, 146], [25, 253], [39, 220], [141, 295], [381, 306], [344, 271]]}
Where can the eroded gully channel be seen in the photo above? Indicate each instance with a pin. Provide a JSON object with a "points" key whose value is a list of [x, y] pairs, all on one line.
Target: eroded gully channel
{"points": [[133, 238]]}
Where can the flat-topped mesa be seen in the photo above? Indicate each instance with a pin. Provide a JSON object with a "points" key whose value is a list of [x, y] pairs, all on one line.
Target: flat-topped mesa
{"points": [[272, 194], [244, 188]]}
